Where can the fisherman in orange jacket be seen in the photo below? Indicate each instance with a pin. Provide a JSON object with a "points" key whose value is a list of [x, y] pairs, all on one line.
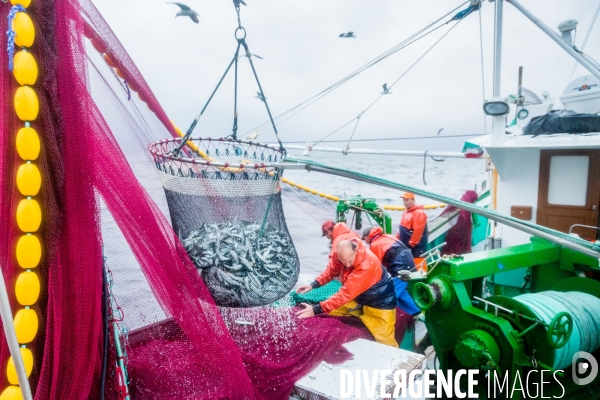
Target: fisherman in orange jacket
{"points": [[367, 290], [413, 226], [396, 257], [336, 233]]}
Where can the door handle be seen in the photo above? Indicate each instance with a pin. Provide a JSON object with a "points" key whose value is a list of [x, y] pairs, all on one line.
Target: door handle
{"points": [[594, 208]]}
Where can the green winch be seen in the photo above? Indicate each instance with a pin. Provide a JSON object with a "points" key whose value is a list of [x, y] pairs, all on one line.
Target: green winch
{"points": [[478, 321], [359, 205]]}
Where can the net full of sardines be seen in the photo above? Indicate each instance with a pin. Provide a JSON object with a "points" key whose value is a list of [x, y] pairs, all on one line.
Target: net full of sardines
{"points": [[230, 219]]}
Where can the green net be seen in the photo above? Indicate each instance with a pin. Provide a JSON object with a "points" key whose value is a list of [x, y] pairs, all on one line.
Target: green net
{"points": [[317, 295]]}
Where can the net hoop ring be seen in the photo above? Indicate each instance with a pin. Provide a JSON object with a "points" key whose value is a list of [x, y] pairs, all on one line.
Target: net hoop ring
{"points": [[228, 154]]}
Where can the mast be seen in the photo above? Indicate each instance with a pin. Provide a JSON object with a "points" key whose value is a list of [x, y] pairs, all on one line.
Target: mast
{"points": [[498, 124]]}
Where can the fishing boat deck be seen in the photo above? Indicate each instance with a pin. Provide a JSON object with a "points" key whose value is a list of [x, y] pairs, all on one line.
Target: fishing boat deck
{"points": [[323, 382]]}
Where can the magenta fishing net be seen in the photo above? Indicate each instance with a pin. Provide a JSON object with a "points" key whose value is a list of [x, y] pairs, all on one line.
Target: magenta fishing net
{"points": [[96, 205], [458, 238]]}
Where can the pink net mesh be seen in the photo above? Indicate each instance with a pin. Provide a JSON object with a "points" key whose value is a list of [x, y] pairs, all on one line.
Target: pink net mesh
{"points": [[95, 201], [458, 238]]}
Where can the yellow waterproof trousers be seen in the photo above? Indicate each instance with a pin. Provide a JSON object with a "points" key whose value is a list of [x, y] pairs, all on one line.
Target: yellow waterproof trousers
{"points": [[381, 323]]}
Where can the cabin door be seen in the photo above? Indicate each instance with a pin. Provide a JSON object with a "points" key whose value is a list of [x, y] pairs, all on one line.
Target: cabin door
{"points": [[569, 191]]}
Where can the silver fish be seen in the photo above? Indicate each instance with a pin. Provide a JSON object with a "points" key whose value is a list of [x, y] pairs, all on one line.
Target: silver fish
{"points": [[241, 265]]}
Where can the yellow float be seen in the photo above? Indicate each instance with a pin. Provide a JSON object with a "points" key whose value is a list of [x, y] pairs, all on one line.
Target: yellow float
{"points": [[27, 105], [29, 179], [28, 144], [27, 288], [24, 30], [26, 325], [29, 251], [109, 61], [119, 73], [24, 3], [29, 215], [11, 372], [11, 393], [25, 68]]}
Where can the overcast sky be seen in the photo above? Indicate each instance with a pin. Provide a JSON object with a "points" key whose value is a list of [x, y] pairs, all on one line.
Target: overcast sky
{"points": [[183, 61]]}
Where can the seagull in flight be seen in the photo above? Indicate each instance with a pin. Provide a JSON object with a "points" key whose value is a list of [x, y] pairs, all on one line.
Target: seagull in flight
{"points": [[348, 35], [386, 90], [260, 96], [186, 12], [249, 54]]}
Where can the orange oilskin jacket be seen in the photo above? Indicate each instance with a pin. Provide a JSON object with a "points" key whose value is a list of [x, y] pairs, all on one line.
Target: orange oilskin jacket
{"points": [[394, 255], [366, 274], [415, 220], [340, 232], [380, 242]]}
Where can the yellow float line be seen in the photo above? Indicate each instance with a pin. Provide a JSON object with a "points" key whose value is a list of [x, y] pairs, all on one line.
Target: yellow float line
{"points": [[28, 212], [335, 198]]}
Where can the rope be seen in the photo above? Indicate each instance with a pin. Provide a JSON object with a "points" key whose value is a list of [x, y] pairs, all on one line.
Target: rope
{"points": [[235, 89], [582, 307], [492, 214], [195, 121], [10, 43], [105, 330], [264, 98], [353, 132], [336, 198], [127, 90], [425, 163], [396, 81], [406, 42], [482, 68]]}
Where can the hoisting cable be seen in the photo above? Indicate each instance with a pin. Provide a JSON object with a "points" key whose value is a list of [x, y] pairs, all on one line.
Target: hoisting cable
{"points": [[393, 83], [187, 135], [235, 83], [425, 164], [241, 41], [353, 132], [369, 64]]}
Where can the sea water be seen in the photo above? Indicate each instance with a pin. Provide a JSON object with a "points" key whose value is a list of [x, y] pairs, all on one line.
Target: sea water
{"points": [[304, 212], [451, 177]]}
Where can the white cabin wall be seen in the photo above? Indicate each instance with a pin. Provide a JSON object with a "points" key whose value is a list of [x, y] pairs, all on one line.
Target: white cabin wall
{"points": [[518, 170]]}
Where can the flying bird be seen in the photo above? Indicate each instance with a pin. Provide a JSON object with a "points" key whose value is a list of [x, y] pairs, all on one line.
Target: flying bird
{"points": [[252, 136], [348, 35], [260, 96], [186, 12], [250, 54], [386, 90]]}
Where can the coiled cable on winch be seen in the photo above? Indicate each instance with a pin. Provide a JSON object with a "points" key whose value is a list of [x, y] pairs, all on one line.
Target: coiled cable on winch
{"points": [[584, 310]]}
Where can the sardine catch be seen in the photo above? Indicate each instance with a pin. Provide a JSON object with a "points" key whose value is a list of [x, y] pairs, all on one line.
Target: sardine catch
{"points": [[241, 267]]}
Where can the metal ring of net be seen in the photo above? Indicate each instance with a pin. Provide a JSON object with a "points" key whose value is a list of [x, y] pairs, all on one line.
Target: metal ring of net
{"points": [[225, 205]]}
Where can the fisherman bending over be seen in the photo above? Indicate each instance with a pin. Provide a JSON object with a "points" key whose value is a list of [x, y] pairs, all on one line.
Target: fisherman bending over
{"points": [[367, 290], [396, 257]]}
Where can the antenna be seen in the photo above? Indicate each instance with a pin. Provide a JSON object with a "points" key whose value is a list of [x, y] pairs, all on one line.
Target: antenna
{"points": [[520, 100]]}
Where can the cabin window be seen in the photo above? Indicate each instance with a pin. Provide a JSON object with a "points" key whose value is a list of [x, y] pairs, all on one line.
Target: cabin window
{"points": [[568, 180]]}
